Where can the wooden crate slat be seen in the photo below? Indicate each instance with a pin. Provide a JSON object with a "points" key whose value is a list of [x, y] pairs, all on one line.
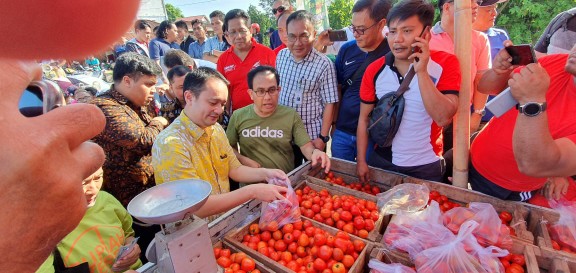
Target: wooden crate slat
{"points": [[538, 220]]}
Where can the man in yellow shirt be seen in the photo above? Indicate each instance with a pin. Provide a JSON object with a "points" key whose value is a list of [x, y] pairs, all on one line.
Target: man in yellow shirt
{"points": [[195, 146]]}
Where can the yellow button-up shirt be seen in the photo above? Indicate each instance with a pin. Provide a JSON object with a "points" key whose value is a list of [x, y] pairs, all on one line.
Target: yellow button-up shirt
{"points": [[184, 150]]}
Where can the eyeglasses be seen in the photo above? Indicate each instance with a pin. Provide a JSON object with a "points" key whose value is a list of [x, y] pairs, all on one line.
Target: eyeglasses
{"points": [[304, 37], [242, 32], [361, 31], [271, 91], [279, 9]]}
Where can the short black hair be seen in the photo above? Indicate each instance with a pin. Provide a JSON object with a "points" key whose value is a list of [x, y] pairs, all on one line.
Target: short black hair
{"points": [[181, 24], [134, 65], [196, 21], [175, 57], [196, 79], [177, 71], [378, 9], [233, 14], [218, 14], [299, 16], [262, 69], [141, 25], [161, 31], [408, 8]]}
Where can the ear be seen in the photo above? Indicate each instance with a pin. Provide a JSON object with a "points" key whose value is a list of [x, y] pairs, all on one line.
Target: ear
{"points": [[189, 97], [127, 81], [251, 93]]}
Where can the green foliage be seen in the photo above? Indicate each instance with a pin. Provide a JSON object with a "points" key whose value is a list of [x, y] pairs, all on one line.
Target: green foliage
{"points": [[173, 12], [525, 20], [263, 19], [340, 13]]}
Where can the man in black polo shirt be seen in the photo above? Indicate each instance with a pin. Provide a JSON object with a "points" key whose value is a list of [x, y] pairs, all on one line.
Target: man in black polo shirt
{"points": [[368, 20]]}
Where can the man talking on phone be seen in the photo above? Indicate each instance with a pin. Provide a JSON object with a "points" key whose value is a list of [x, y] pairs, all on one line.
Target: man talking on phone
{"points": [[368, 20], [528, 147], [431, 100]]}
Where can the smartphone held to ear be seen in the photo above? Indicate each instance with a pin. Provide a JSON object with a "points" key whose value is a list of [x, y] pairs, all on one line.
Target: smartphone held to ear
{"points": [[521, 54], [416, 48], [337, 35]]}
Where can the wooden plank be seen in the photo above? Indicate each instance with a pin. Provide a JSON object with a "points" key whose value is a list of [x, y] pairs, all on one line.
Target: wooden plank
{"points": [[260, 266], [550, 264], [538, 221], [374, 235], [235, 238], [559, 255], [519, 213], [347, 170]]}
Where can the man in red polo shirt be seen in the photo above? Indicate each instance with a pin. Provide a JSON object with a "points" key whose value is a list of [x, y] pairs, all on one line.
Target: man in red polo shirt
{"points": [[527, 148], [238, 60]]}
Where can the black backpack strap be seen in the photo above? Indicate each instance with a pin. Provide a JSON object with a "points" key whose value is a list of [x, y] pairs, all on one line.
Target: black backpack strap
{"points": [[560, 23], [59, 266], [361, 69]]}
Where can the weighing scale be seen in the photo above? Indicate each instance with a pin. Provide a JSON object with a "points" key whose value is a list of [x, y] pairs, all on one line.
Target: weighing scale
{"points": [[183, 244]]}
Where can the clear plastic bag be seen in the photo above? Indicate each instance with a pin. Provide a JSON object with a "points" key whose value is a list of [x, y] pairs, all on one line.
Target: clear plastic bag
{"points": [[404, 197], [488, 257], [380, 267], [450, 257], [490, 232], [564, 231], [414, 235], [278, 213]]}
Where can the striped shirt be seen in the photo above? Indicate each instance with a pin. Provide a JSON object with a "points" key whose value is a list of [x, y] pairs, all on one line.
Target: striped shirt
{"points": [[307, 86]]}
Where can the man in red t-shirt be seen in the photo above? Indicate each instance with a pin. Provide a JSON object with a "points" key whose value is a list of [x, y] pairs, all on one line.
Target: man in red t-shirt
{"points": [[516, 153], [431, 101], [244, 54]]}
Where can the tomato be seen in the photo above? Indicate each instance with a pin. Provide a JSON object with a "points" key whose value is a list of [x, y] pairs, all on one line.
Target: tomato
{"points": [[217, 252], [369, 225], [275, 256], [304, 240], [225, 253], [310, 231], [346, 216], [292, 247], [343, 235], [374, 215], [288, 238], [288, 228], [358, 245], [555, 245], [319, 264], [280, 245], [325, 253], [254, 229], [337, 254], [341, 244], [264, 251], [515, 268], [355, 210], [359, 223], [255, 271], [319, 239], [505, 216], [265, 236], [228, 270], [298, 225], [338, 268], [301, 252], [272, 226], [292, 265], [247, 265], [348, 261], [277, 235], [286, 256], [348, 228], [254, 239], [224, 261], [235, 267], [330, 240], [239, 257], [518, 259], [505, 263]]}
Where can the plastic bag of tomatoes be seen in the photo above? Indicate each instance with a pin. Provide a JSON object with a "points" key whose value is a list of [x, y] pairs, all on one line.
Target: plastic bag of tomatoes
{"points": [[380, 267], [417, 237], [564, 231], [488, 257], [450, 257], [278, 213], [404, 197], [490, 231]]}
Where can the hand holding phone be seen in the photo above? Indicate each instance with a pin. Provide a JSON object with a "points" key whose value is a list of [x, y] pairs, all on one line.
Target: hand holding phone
{"points": [[417, 48], [521, 54]]}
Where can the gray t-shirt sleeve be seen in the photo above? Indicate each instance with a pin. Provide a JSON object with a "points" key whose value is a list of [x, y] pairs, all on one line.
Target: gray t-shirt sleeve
{"points": [[543, 42]]}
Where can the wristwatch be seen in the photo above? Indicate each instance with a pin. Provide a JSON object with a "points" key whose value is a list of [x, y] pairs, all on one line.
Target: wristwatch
{"points": [[324, 139], [481, 112], [531, 109]]}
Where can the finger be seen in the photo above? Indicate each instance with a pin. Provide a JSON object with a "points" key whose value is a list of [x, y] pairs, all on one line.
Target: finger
{"points": [[323, 159], [75, 123], [88, 157], [328, 164], [13, 84], [314, 160]]}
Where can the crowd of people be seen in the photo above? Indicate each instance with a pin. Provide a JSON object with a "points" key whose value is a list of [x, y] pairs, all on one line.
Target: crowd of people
{"points": [[235, 113]]}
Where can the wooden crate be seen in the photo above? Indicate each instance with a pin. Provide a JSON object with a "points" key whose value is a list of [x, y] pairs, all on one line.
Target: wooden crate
{"points": [[235, 239], [374, 235], [347, 170], [260, 266], [531, 254], [464, 196], [537, 223]]}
